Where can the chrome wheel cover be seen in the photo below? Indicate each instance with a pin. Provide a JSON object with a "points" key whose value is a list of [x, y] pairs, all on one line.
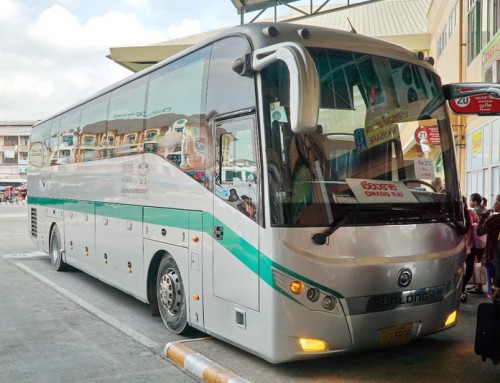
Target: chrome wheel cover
{"points": [[54, 250], [170, 292]]}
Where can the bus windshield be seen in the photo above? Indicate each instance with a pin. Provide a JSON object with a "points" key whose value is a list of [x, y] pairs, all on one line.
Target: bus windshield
{"points": [[382, 143]]}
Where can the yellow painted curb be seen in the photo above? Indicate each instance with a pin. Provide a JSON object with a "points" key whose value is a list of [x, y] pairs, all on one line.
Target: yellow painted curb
{"points": [[200, 366]]}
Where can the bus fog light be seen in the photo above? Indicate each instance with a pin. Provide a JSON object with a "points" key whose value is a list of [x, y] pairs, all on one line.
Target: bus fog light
{"points": [[313, 294], [311, 345], [451, 318], [296, 287], [328, 303]]}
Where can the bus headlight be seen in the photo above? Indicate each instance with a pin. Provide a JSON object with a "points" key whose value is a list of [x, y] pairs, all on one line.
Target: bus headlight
{"points": [[313, 294], [303, 293], [328, 303]]}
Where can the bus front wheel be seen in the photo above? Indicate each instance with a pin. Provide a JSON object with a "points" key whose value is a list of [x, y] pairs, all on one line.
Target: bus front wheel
{"points": [[55, 251], [171, 296]]}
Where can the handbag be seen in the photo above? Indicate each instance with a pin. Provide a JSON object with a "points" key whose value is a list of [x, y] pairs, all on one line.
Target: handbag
{"points": [[479, 274], [478, 240]]}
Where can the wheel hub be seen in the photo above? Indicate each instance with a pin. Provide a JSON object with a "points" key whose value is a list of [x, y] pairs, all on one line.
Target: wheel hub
{"points": [[54, 251], [170, 291]]}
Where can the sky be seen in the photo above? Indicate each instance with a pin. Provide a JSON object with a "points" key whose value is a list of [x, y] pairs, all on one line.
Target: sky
{"points": [[53, 52]]}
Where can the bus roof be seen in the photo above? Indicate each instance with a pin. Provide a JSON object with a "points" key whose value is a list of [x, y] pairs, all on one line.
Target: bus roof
{"points": [[319, 38]]}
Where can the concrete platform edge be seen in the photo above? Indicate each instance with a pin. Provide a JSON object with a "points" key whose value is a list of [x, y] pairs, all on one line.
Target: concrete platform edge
{"points": [[198, 365]]}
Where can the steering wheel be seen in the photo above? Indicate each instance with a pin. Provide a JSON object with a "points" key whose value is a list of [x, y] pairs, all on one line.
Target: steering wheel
{"points": [[416, 180]]}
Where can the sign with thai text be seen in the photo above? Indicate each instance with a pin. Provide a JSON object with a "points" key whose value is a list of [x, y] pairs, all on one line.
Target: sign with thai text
{"points": [[424, 169], [483, 104], [384, 128], [428, 133], [374, 191]]}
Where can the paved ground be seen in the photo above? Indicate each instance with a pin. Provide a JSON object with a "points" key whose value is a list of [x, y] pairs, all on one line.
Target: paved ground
{"points": [[44, 337]]}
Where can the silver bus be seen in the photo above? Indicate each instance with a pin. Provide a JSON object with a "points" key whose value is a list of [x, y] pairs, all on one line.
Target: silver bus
{"points": [[271, 186]]}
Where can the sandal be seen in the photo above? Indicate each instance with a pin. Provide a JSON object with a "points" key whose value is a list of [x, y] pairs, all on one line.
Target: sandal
{"points": [[463, 297], [475, 290]]}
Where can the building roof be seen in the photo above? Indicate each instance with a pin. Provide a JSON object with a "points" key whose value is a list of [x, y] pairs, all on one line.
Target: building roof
{"points": [[29, 123], [379, 18], [403, 22]]}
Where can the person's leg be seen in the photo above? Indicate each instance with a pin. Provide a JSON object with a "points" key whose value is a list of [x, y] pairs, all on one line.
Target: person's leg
{"points": [[469, 268]]}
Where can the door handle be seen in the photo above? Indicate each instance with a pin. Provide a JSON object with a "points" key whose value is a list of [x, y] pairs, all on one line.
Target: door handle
{"points": [[218, 232]]}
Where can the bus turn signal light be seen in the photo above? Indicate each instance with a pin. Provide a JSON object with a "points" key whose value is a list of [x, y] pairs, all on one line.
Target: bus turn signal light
{"points": [[296, 287], [312, 345], [451, 318]]}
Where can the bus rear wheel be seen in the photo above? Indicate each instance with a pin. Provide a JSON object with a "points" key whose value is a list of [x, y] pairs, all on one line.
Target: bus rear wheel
{"points": [[171, 296], [55, 251]]}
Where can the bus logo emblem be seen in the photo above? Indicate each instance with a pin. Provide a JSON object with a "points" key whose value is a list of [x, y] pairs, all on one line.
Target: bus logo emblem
{"points": [[404, 277]]}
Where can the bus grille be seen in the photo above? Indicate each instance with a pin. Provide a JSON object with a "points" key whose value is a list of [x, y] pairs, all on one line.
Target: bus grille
{"points": [[33, 223]]}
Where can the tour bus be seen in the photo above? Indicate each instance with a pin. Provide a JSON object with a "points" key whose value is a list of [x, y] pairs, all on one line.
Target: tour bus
{"points": [[340, 242]]}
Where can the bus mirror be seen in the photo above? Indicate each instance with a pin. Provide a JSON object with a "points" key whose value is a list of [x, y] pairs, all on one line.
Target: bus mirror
{"points": [[473, 98], [304, 82]]}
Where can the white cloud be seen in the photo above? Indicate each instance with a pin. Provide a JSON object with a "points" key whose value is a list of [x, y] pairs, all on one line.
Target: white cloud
{"points": [[8, 9], [57, 26], [55, 51], [62, 59], [185, 28]]}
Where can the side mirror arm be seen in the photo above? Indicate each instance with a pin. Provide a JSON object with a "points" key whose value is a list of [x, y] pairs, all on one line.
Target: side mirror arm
{"points": [[304, 82]]}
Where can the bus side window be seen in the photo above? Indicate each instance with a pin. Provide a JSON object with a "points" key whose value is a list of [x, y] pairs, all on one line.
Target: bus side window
{"points": [[93, 128], [54, 142], [68, 131], [238, 174], [175, 126], [125, 120], [36, 145]]}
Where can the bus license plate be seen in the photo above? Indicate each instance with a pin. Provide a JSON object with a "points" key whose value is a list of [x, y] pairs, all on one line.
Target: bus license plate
{"points": [[396, 335]]}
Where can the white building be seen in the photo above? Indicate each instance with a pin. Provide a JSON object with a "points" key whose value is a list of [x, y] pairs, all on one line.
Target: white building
{"points": [[14, 146]]}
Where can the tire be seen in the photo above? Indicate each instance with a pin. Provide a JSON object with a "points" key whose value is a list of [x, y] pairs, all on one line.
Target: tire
{"points": [[171, 296], [55, 251]]}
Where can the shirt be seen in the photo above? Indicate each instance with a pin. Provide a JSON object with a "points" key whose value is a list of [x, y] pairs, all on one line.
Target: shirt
{"points": [[490, 225]]}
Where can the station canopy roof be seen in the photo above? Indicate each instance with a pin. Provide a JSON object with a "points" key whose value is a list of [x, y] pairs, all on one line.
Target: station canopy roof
{"points": [[256, 5]]}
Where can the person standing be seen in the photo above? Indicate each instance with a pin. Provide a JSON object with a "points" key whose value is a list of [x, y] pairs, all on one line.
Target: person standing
{"points": [[489, 224], [484, 203], [470, 218], [475, 200]]}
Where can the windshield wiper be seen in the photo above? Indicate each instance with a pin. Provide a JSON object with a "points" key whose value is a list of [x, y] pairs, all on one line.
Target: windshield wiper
{"points": [[321, 238]]}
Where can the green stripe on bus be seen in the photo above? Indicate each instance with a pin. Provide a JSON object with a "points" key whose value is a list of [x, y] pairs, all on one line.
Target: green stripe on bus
{"points": [[130, 212], [79, 206], [237, 246], [167, 217], [48, 202], [245, 252], [196, 220]]}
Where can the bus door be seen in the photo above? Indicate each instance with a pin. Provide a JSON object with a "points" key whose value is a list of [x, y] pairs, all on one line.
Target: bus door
{"points": [[237, 212]]}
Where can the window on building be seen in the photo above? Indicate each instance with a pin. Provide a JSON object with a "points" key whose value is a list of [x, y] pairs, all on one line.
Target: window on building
{"points": [[10, 140], [485, 23], [474, 31], [495, 142], [495, 11], [495, 183], [9, 158]]}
